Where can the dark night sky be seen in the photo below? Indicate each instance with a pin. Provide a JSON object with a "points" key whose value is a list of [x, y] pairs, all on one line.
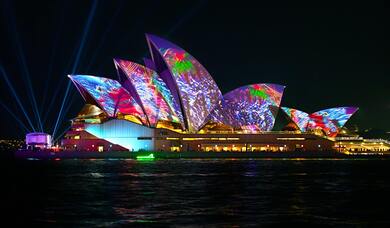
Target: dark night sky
{"points": [[326, 57]]}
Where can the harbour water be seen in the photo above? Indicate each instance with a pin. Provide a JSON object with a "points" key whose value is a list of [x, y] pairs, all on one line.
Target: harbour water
{"points": [[197, 192]]}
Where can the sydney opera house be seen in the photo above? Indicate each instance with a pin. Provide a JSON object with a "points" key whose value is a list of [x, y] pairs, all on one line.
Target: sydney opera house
{"points": [[171, 103]]}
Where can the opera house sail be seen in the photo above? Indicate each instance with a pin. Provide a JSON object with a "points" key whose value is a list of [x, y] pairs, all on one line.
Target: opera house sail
{"points": [[252, 107], [109, 95], [328, 120], [150, 91], [196, 90]]}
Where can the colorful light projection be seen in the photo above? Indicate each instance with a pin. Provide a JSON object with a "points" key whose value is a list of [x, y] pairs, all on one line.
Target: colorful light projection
{"points": [[109, 95], [319, 122], [340, 114], [329, 120], [298, 117], [251, 107], [198, 94], [156, 100]]}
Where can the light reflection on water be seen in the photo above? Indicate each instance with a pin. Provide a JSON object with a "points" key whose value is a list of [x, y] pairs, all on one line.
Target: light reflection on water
{"points": [[208, 192]]}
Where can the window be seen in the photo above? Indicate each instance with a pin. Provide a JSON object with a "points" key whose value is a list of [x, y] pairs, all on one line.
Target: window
{"points": [[144, 138]]}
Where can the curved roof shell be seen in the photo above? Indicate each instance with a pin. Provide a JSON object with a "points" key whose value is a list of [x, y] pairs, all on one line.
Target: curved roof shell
{"points": [[111, 97], [196, 91], [153, 95], [300, 118], [328, 120], [251, 107]]}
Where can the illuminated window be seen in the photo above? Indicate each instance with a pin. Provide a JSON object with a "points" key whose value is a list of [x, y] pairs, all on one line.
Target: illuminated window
{"points": [[175, 148], [100, 148], [77, 137]]}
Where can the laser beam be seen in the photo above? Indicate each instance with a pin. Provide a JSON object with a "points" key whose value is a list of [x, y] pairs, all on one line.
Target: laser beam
{"points": [[104, 36], [58, 29], [62, 133], [76, 62], [13, 91], [24, 68], [21, 124]]}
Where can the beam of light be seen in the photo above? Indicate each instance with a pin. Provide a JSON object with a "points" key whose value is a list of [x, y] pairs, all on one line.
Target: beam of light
{"points": [[13, 91], [58, 29], [61, 134], [50, 106], [76, 62], [66, 111], [52, 102], [22, 61], [54, 97], [21, 124], [72, 97], [59, 85], [104, 36]]}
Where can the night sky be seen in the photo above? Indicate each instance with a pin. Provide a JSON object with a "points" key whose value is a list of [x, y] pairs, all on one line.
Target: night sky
{"points": [[326, 57]]}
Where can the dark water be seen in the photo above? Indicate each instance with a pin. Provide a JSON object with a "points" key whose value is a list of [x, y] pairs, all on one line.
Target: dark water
{"points": [[197, 192]]}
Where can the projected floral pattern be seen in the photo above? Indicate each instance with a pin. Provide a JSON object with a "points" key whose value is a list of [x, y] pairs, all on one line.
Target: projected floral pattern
{"points": [[155, 97], [328, 120], [198, 93], [331, 120], [110, 96], [252, 107], [298, 117]]}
